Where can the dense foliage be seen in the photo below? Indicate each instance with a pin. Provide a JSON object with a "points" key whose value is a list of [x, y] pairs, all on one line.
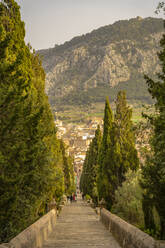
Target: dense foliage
{"points": [[31, 160], [136, 89], [115, 155], [153, 180], [128, 200]]}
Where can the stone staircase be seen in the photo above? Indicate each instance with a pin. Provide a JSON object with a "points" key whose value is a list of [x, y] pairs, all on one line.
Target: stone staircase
{"points": [[78, 226]]}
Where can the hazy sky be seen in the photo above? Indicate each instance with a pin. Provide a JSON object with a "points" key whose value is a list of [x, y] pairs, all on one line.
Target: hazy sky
{"points": [[50, 22]]}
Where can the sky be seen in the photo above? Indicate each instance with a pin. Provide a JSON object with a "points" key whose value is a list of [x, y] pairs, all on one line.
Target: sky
{"points": [[50, 22]]}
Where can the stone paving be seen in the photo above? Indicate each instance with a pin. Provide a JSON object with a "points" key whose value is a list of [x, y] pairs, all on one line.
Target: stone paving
{"points": [[78, 226]]}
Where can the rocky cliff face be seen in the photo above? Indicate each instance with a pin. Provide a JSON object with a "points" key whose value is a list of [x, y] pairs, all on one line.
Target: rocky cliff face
{"points": [[99, 60]]}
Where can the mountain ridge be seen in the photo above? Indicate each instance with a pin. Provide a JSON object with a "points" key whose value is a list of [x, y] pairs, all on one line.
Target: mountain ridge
{"points": [[114, 57]]}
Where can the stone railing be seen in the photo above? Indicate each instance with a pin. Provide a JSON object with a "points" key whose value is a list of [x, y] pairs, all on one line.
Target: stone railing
{"points": [[34, 235], [127, 235]]}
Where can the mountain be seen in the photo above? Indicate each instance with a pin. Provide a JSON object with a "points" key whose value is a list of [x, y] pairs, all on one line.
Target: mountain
{"points": [[112, 58]]}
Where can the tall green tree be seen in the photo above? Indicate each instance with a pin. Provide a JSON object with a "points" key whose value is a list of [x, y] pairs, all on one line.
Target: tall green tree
{"points": [[84, 176], [90, 167], [68, 170], [103, 182], [154, 171], [118, 153], [123, 154], [15, 105], [94, 155], [30, 156], [124, 138]]}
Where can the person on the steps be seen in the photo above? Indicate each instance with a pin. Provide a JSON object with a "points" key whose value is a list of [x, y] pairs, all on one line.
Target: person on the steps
{"points": [[71, 198]]}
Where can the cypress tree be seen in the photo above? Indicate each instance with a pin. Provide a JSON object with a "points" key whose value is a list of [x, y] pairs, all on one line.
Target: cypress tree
{"points": [[117, 153], [68, 170], [84, 176], [103, 182], [94, 154], [124, 139], [90, 167], [30, 155], [15, 103], [123, 154]]}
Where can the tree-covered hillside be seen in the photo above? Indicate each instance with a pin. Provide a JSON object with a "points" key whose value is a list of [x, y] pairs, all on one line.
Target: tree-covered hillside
{"points": [[133, 29], [112, 58]]}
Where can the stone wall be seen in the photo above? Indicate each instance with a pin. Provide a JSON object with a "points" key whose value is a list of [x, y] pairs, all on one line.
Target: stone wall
{"points": [[34, 235], [126, 234]]}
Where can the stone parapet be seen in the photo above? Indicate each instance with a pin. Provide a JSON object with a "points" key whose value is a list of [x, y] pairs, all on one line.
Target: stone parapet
{"points": [[127, 235], [34, 235]]}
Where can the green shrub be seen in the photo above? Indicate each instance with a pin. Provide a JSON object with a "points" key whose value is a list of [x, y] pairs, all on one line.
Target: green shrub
{"points": [[128, 200]]}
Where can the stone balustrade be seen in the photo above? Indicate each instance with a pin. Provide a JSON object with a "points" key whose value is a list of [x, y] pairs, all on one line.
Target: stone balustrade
{"points": [[34, 235], [126, 234]]}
